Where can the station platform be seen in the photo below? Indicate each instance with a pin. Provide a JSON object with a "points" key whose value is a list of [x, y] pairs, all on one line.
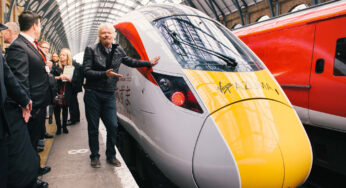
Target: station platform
{"points": [[68, 157]]}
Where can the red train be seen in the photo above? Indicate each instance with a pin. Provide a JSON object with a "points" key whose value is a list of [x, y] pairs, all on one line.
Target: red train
{"points": [[306, 52]]}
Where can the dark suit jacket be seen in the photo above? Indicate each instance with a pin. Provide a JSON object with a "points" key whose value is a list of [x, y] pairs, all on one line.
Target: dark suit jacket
{"points": [[28, 67], [9, 87]]}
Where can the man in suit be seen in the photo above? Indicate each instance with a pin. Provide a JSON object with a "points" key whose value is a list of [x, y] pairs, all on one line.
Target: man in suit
{"points": [[10, 86], [27, 62], [18, 159]]}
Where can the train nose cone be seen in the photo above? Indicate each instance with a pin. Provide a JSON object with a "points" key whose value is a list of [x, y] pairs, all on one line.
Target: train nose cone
{"points": [[253, 143]]}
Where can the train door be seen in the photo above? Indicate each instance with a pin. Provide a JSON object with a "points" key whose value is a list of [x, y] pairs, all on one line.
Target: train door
{"points": [[328, 75]]}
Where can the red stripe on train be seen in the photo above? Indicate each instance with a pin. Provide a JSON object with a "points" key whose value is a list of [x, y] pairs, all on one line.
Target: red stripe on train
{"points": [[130, 32]]}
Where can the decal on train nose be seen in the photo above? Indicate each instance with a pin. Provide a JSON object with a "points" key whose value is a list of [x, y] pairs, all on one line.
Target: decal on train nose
{"points": [[218, 89], [225, 88]]}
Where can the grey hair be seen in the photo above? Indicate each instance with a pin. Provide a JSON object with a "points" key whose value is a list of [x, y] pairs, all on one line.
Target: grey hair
{"points": [[103, 25], [13, 26]]}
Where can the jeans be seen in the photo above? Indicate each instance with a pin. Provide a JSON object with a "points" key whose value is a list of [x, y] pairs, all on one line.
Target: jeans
{"points": [[102, 105]]}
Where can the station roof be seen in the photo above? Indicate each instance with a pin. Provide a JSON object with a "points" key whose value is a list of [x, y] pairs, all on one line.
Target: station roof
{"points": [[73, 23]]}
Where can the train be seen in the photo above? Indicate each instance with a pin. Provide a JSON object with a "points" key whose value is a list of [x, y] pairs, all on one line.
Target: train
{"points": [[306, 52], [209, 114]]}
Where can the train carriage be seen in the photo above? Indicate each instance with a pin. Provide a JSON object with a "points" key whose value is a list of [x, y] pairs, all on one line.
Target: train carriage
{"points": [[209, 114], [306, 52]]}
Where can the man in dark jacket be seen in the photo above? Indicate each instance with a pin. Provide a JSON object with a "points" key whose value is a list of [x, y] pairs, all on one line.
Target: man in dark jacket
{"points": [[8, 86], [19, 161], [27, 63], [101, 62]]}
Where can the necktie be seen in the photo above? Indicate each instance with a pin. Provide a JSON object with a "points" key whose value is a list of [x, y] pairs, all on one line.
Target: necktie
{"points": [[37, 46], [39, 50]]}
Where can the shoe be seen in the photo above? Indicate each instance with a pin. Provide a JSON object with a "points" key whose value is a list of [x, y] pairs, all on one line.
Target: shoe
{"points": [[41, 184], [69, 123], [50, 120], [114, 162], [43, 171], [95, 163], [64, 130], [39, 149], [41, 143], [46, 135], [58, 131]]}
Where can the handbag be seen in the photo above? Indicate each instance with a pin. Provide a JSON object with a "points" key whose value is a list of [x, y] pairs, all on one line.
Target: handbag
{"points": [[60, 100]]}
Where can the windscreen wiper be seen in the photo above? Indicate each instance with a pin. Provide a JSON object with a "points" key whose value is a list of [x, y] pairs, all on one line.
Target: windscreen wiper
{"points": [[230, 61]]}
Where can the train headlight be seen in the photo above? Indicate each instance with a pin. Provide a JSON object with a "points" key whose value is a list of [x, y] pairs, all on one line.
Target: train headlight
{"points": [[178, 98], [165, 84], [177, 91]]}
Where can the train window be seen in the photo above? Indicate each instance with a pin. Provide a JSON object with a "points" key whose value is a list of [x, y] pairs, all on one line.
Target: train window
{"points": [[201, 43], [126, 45], [340, 58], [262, 18], [237, 26], [299, 7]]}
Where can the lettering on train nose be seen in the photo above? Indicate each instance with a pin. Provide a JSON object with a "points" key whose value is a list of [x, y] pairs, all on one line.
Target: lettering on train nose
{"points": [[244, 85], [226, 88]]}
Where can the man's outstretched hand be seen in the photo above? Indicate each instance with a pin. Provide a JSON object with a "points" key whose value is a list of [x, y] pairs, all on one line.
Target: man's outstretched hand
{"points": [[154, 61], [110, 73]]}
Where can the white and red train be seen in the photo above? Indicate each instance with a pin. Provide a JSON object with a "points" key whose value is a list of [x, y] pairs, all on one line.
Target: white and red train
{"points": [[210, 114], [306, 52]]}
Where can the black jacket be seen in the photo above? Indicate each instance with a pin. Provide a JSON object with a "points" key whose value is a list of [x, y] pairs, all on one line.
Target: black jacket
{"points": [[95, 66], [28, 67], [72, 87], [77, 78], [9, 86]]}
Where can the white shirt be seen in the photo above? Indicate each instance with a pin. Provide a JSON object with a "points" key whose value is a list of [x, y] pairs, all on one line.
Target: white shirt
{"points": [[29, 38]]}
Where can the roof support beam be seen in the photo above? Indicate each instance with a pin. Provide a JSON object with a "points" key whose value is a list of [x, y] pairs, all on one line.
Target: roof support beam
{"points": [[191, 3], [236, 3], [316, 2], [200, 4], [8, 16], [277, 8], [246, 12], [271, 8], [212, 8], [224, 3], [222, 13]]}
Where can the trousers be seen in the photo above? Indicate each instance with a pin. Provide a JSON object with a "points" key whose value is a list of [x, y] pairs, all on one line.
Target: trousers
{"points": [[101, 105]]}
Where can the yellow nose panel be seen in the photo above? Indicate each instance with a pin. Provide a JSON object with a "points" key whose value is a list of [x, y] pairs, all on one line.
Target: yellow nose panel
{"points": [[267, 141], [218, 89]]}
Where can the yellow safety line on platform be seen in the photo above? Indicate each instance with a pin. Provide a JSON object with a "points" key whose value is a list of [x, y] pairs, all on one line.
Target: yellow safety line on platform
{"points": [[51, 129]]}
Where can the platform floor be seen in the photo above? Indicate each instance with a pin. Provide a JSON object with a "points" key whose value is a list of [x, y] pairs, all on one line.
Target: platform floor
{"points": [[68, 157]]}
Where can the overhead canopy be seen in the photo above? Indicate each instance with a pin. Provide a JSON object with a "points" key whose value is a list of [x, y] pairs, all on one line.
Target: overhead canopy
{"points": [[73, 23]]}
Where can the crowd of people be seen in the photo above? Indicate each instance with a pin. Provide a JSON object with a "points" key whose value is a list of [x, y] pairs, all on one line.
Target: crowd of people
{"points": [[31, 85]]}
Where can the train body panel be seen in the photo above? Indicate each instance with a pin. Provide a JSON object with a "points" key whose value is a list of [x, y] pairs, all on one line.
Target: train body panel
{"points": [[305, 51], [184, 111]]}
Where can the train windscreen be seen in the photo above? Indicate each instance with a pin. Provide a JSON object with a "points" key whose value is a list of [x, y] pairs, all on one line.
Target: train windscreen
{"points": [[203, 44]]}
